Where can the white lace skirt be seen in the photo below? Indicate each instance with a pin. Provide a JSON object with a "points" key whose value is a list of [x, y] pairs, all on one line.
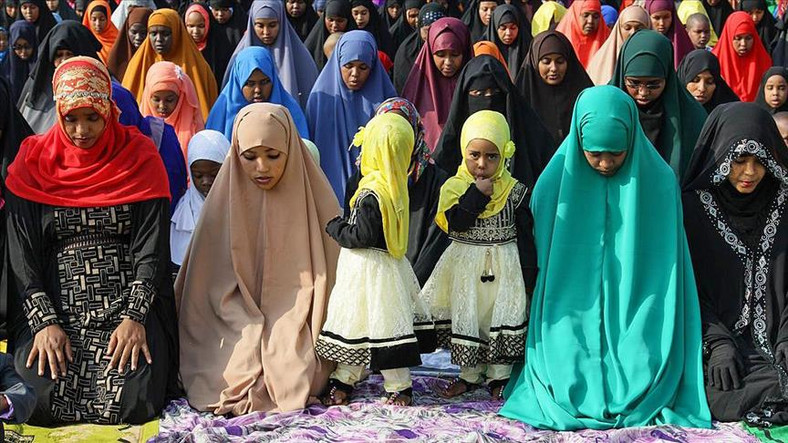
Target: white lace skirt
{"points": [[479, 321], [374, 312]]}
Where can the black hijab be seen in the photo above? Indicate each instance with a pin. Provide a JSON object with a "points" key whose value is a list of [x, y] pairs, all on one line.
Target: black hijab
{"points": [[70, 35], [767, 28], [718, 14], [46, 21], [5, 19], [13, 127], [534, 144], [554, 104], [471, 18], [376, 27], [701, 60], [410, 48], [13, 68], [384, 14], [234, 29], [319, 33], [305, 22], [65, 12], [178, 5], [516, 52], [760, 99], [401, 29]]}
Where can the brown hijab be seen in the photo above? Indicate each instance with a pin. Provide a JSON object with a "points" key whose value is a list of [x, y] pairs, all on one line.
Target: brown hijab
{"points": [[123, 50], [254, 285]]}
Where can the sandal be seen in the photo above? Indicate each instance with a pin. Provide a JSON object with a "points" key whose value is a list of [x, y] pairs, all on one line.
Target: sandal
{"points": [[336, 393], [401, 398], [449, 391], [497, 387]]}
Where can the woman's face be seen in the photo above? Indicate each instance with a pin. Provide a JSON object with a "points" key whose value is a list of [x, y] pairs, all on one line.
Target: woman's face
{"points": [[360, 16], [702, 87], [482, 158], [757, 15], [630, 28], [412, 16], [508, 32], [295, 8], [222, 15], [257, 88], [486, 9], [137, 34], [393, 11], [661, 21], [23, 49], [10, 10], [746, 173], [355, 74], [53, 5], [606, 163], [590, 21], [30, 12], [204, 173], [552, 69], [774, 91], [195, 26], [742, 43], [267, 30], [83, 126], [264, 166], [160, 38], [3, 41], [644, 89], [448, 62], [336, 24], [163, 103], [98, 21], [62, 55]]}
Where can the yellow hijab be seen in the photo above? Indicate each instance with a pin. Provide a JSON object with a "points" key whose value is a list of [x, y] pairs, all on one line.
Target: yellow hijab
{"points": [[687, 8], [386, 147], [490, 126], [546, 16]]}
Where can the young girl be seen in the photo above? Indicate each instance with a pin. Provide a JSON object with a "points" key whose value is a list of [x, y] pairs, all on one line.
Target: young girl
{"points": [[477, 293], [169, 94], [97, 19], [374, 308]]}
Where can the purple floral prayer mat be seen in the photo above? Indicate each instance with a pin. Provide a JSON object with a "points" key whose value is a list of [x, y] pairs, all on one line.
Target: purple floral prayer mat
{"points": [[468, 418]]}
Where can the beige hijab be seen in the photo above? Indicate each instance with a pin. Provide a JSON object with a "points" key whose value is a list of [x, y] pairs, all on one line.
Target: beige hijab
{"points": [[253, 289], [602, 64]]}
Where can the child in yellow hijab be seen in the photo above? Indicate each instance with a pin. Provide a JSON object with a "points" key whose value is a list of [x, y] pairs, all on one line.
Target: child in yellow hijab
{"points": [[477, 292], [374, 314]]}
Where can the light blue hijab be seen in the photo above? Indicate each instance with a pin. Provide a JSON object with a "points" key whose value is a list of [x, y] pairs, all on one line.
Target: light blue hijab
{"points": [[231, 99]]}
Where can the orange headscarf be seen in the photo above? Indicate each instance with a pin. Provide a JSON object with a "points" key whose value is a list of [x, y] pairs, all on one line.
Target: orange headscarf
{"points": [[491, 49], [572, 27], [742, 73], [183, 53], [186, 118], [108, 36]]}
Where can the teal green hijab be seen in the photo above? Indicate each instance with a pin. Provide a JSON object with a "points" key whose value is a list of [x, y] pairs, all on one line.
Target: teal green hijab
{"points": [[648, 53], [614, 337]]}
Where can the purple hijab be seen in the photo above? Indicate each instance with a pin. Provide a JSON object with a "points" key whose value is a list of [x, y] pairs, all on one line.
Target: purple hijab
{"points": [[682, 45]]}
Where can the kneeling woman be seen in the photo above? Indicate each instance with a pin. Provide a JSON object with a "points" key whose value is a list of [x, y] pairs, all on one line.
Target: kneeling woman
{"points": [[253, 288], [734, 208], [90, 253], [614, 333]]}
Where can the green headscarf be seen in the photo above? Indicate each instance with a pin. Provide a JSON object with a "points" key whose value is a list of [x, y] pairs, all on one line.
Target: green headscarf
{"points": [[615, 333], [650, 54]]}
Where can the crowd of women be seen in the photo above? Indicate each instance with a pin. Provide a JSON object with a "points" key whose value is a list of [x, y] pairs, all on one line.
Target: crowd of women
{"points": [[253, 204]]}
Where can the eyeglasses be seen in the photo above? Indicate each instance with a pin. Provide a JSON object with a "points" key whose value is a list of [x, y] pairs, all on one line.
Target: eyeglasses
{"points": [[651, 86], [22, 47]]}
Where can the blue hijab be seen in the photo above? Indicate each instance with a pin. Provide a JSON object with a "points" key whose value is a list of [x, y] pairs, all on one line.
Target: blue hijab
{"points": [[335, 113], [16, 70], [231, 100]]}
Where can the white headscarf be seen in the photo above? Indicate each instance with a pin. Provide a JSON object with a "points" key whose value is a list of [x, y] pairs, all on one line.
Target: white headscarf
{"points": [[120, 14], [204, 145]]}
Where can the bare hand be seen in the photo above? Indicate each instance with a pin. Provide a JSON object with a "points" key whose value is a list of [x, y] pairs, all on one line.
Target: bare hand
{"points": [[485, 186], [126, 343], [50, 345]]}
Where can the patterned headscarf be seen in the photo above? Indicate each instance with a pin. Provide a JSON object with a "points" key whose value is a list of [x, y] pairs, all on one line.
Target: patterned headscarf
{"points": [[83, 83], [421, 153]]}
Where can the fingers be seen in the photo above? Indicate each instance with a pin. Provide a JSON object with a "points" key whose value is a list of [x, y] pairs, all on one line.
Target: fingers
{"points": [[146, 353], [69, 352], [113, 341], [124, 359], [135, 356], [114, 359], [31, 357], [52, 363], [42, 363], [61, 360]]}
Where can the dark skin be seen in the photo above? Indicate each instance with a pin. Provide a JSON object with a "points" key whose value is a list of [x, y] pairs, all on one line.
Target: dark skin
{"points": [[160, 38], [204, 172]]}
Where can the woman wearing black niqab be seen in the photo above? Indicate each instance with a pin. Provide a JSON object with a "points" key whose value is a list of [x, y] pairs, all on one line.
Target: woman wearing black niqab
{"points": [[319, 33], [734, 196], [515, 51], [694, 64], [554, 103], [410, 48], [533, 142]]}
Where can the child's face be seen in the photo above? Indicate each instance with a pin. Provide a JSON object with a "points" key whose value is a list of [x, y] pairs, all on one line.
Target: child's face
{"points": [[264, 166], [203, 174], [482, 158], [606, 163], [3, 42], [163, 103]]}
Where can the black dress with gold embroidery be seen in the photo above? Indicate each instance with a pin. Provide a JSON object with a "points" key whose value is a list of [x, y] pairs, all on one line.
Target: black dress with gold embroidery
{"points": [[86, 270]]}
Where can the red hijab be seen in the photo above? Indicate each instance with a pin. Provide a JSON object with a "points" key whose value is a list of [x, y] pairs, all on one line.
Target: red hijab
{"points": [[572, 27], [122, 167], [742, 73], [426, 87]]}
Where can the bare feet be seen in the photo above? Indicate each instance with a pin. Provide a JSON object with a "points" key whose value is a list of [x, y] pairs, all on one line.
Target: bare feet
{"points": [[401, 398], [457, 387], [336, 396], [497, 392]]}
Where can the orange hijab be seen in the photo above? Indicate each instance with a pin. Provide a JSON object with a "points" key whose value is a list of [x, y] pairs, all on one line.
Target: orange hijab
{"points": [[108, 36], [183, 53], [572, 27], [489, 48], [742, 73], [186, 118]]}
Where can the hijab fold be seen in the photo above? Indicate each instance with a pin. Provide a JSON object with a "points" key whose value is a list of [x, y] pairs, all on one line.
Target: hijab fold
{"points": [[108, 36], [13, 68], [514, 54], [411, 47], [761, 98], [701, 60], [547, 17], [743, 74], [122, 50], [319, 33], [603, 63], [677, 34], [571, 26]]}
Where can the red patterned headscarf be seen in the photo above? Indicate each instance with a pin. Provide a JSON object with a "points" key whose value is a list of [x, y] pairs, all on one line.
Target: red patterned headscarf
{"points": [[123, 166]]}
